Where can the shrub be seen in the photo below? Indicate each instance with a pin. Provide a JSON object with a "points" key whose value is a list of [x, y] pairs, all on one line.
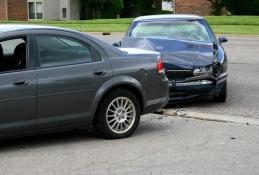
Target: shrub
{"points": [[242, 7]]}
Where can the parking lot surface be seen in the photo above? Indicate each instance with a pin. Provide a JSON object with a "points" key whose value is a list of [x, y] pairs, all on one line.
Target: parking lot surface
{"points": [[162, 144]]}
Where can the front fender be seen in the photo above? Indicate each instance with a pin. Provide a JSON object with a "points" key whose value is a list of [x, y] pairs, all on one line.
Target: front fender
{"points": [[222, 59]]}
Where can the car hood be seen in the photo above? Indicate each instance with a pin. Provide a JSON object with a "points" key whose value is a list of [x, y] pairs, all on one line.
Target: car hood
{"points": [[177, 54]]}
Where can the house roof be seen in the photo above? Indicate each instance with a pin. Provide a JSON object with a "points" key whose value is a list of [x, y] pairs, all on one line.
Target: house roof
{"points": [[168, 17]]}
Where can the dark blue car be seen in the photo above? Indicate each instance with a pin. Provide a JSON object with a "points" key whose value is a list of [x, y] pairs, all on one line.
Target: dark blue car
{"points": [[195, 61]]}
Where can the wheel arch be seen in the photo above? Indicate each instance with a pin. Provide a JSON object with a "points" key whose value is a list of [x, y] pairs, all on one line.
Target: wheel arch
{"points": [[127, 83]]}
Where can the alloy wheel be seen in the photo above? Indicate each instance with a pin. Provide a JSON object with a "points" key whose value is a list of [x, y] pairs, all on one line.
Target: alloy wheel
{"points": [[121, 115]]}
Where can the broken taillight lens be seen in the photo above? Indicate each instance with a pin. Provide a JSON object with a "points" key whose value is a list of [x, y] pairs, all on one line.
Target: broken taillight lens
{"points": [[160, 66]]}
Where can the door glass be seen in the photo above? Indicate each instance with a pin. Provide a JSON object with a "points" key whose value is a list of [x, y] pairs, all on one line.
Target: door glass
{"points": [[31, 10], [58, 51], [35, 10], [13, 54], [64, 12], [39, 10]]}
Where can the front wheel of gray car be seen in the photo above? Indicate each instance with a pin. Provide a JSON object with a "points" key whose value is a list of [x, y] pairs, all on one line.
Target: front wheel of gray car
{"points": [[222, 97], [119, 115]]}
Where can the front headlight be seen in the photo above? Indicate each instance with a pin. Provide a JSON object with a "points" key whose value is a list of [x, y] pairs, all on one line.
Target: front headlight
{"points": [[202, 71], [217, 69]]}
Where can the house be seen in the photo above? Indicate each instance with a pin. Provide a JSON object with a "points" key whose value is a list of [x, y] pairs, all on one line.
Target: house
{"points": [[166, 5], [13, 10], [198, 7], [39, 9]]}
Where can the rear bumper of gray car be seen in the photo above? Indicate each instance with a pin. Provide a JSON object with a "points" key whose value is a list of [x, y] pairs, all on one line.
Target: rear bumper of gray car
{"points": [[160, 96], [196, 87], [154, 105]]}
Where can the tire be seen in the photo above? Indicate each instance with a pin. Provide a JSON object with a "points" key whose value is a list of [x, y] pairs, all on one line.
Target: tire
{"points": [[222, 97], [119, 115]]}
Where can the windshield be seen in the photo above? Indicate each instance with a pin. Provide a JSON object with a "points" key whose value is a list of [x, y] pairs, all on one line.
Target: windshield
{"points": [[183, 30]]}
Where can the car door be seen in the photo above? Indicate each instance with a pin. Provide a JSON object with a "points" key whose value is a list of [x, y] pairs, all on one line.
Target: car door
{"points": [[17, 86], [70, 71]]}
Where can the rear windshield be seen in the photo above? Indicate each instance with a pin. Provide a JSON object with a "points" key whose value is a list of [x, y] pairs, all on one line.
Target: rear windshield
{"points": [[184, 30]]}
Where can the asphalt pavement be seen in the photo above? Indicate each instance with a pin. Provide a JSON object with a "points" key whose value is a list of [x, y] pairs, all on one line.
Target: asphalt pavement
{"points": [[162, 145]]}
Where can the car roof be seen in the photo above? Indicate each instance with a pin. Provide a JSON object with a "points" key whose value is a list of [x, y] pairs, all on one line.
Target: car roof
{"points": [[18, 27], [168, 17], [110, 50]]}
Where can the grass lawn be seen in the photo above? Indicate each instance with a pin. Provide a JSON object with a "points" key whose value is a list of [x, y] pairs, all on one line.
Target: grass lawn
{"points": [[245, 25], [236, 29]]}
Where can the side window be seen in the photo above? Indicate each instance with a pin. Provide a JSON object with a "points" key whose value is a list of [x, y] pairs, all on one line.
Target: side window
{"points": [[13, 54], [60, 51]]}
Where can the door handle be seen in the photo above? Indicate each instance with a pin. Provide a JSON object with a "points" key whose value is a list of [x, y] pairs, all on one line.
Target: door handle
{"points": [[20, 82], [99, 72]]}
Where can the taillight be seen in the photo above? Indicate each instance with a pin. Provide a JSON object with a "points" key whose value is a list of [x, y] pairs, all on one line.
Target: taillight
{"points": [[160, 65]]}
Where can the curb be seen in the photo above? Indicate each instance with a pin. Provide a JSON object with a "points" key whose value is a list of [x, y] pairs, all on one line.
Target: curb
{"points": [[211, 117]]}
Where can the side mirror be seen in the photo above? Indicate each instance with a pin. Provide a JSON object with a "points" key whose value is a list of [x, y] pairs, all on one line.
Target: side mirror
{"points": [[117, 44], [223, 39], [215, 46]]}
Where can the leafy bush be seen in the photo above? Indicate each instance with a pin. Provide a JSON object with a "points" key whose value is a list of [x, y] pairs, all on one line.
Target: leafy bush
{"points": [[112, 8], [91, 9], [134, 8], [217, 6], [242, 7], [164, 12]]}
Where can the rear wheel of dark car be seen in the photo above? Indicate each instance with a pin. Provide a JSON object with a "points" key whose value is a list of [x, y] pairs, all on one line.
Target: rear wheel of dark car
{"points": [[119, 115], [222, 97]]}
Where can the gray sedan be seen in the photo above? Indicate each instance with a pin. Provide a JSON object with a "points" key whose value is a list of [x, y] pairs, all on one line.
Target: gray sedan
{"points": [[53, 79]]}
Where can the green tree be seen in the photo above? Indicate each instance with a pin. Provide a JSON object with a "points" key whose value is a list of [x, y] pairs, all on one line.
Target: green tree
{"points": [[133, 8], [91, 9], [217, 6], [242, 7], [157, 4], [112, 8]]}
